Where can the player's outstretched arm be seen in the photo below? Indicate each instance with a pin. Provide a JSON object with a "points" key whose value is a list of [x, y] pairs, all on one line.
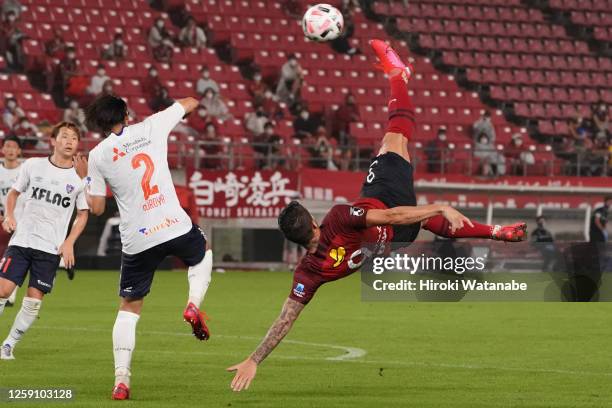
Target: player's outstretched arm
{"points": [[96, 204], [9, 224], [189, 104], [246, 370], [66, 250], [406, 215]]}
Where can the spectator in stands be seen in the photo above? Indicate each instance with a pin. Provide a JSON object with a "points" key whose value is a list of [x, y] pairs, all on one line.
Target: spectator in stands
{"points": [[151, 86], [73, 113], [290, 82], [56, 46], [115, 51], [491, 161], [9, 6], [257, 89], [161, 42], [161, 101], [601, 122], [192, 35], [344, 116], [215, 105], [275, 145], [12, 112], [65, 71], [212, 146], [517, 156], [199, 120], [292, 8], [322, 151], [97, 81], [436, 152], [271, 106], [599, 221], [305, 125], [27, 132], [11, 37], [484, 125], [256, 121], [342, 44], [206, 82]]}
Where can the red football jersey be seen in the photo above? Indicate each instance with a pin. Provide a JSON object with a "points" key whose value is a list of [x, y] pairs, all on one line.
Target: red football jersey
{"points": [[343, 247]]}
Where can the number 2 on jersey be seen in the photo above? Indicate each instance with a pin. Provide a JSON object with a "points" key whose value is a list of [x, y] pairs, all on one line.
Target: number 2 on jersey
{"points": [[147, 188]]}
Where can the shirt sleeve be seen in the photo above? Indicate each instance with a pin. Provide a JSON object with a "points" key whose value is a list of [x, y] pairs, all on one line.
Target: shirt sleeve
{"points": [[95, 180], [23, 179], [81, 201], [162, 123], [354, 217], [305, 284]]}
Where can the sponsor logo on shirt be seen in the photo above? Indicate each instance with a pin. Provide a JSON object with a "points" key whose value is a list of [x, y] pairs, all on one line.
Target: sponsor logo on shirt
{"points": [[299, 290], [69, 188], [138, 144], [356, 211], [154, 202], [117, 154], [337, 254], [42, 194], [167, 223]]}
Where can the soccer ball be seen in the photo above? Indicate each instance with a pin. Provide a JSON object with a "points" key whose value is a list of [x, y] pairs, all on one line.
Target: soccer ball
{"points": [[322, 22]]}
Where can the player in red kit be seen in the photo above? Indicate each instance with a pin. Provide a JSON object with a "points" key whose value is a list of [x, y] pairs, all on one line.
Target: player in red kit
{"points": [[386, 212]]}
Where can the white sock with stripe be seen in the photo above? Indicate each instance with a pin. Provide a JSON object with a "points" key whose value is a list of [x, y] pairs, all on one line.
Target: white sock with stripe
{"points": [[124, 342], [24, 319]]}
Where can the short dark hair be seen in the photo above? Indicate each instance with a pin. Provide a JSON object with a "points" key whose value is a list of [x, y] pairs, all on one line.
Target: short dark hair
{"points": [[105, 112], [13, 138], [296, 224], [68, 125]]}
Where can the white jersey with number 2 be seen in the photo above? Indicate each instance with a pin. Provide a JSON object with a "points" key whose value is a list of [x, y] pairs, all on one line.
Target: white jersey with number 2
{"points": [[134, 163]]}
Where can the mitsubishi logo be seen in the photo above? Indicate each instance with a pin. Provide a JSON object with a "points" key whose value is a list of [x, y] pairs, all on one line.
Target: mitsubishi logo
{"points": [[117, 154]]}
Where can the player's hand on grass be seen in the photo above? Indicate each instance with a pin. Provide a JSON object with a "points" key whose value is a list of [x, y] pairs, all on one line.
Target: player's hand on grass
{"points": [[245, 372], [66, 251], [80, 165], [9, 224], [455, 218]]}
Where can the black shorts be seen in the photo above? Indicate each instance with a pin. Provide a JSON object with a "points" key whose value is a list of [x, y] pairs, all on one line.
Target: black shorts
{"points": [[137, 270], [390, 180], [17, 261]]}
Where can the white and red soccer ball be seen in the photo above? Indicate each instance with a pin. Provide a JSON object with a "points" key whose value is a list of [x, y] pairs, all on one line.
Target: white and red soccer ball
{"points": [[322, 22]]}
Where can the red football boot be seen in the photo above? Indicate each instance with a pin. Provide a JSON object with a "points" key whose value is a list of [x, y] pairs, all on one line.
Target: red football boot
{"points": [[196, 319], [390, 62], [510, 233], [121, 392]]}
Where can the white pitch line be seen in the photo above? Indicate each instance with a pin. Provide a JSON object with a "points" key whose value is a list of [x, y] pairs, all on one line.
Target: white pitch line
{"points": [[353, 352]]}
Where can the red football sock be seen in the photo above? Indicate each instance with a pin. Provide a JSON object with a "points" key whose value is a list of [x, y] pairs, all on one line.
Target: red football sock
{"points": [[440, 226], [401, 109]]}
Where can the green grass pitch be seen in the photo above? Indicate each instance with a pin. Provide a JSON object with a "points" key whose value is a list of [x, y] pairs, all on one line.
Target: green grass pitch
{"points": [[417, 354]]}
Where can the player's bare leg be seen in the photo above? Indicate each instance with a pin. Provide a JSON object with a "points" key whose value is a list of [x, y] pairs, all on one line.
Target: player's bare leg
{"points": [[400, 129], [6, 289], [12, 298], [199, 277], [26, 316], [124, 342]]}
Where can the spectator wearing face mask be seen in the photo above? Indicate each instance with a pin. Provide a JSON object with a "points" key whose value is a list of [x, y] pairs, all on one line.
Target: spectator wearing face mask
{"points": [[290, 82], [9, 6], [305, 125], [199, 119], [206, 82], [151, 86], [255, 121], [268, 148], [56, 46], [12, 113], [437, 153], [192, 35], [491, 161], [74, 114], [601, 124], [162, 101], [257, 89], [211, 148], [158, 33], [115, 51], [98, 81], [517, 156], [214, 105], [484, 125], [345, 115]]}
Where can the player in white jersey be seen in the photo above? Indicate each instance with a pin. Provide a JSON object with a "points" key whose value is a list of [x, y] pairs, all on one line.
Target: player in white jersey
{"points": [[11, 152], [133, 161], [52, 189]]}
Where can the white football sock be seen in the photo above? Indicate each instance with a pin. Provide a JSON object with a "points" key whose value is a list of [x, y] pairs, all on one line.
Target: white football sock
{"points": [[199, 278], [24, 319], [124, 342], [13, 296], [2, 303]]}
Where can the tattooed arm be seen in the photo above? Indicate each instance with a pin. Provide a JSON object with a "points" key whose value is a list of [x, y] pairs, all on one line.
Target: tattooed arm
{"points": [[246, 370]]}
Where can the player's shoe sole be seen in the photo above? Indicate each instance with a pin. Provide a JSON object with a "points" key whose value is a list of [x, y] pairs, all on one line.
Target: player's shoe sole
{"points": [[121, 392], [6, 353], [510, 233], [197, 320], [390, 62]]}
